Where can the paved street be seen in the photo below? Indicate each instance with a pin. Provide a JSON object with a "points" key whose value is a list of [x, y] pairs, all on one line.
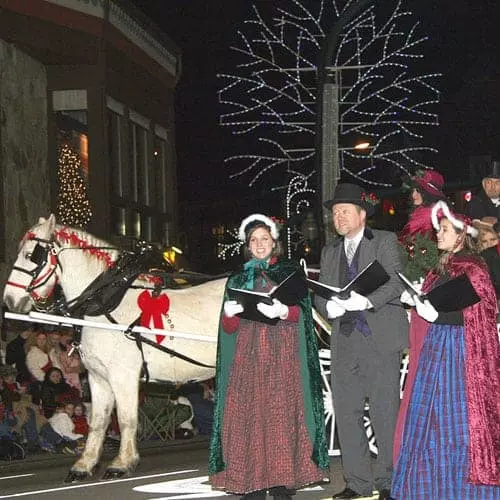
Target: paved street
{"points": [[170, 471]]}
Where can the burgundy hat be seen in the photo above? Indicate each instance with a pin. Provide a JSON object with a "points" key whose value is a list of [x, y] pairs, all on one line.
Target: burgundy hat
{"points": [[430, 181]]}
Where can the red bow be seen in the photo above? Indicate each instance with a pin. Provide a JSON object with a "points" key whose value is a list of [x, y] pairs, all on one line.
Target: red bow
{"points": [[152, 309]]}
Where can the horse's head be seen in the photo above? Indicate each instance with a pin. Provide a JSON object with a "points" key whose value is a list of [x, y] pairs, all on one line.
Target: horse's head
{"points": [[33, 276]]}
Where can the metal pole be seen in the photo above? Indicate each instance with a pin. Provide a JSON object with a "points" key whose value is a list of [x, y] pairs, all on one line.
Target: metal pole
{"points": [[327, 116], [329, 146], [52, 319]]}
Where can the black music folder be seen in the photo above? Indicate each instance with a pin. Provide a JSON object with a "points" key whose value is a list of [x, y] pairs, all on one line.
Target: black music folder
{"points": [[453, 295], [365, 282], [289, 292]]}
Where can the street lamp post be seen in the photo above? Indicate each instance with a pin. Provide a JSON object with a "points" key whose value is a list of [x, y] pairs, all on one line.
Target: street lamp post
{"points": [[327, 121]]}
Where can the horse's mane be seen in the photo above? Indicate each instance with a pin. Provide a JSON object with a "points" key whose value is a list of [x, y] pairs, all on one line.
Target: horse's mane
{"points": [[95, 248]]}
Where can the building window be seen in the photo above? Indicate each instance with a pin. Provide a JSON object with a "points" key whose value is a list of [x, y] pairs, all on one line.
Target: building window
{"points": [[115, 144], [119, 220], [73, 203], [136, 224], [160, 168], [147, 228], [72, 130]]}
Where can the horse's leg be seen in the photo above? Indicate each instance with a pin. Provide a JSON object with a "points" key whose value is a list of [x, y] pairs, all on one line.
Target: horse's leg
{"points": [[127, 405], [102, 405]]}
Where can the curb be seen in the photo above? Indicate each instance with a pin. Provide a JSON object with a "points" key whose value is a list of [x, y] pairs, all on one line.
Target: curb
{"points": [[43, 460]]}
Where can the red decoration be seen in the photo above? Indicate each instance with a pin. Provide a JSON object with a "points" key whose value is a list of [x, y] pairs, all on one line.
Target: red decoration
{"points": [[369, 198], [75, 241], [152, 310]]}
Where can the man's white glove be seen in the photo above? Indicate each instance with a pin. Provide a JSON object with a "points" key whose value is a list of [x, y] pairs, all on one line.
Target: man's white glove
{"points": [[232, 308], [426, 310], [276, 310], [355, 302], [407, 298], [334, 310]]}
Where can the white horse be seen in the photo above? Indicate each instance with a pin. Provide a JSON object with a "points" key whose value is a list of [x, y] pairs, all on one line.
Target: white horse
{"points": [[74, 259]]}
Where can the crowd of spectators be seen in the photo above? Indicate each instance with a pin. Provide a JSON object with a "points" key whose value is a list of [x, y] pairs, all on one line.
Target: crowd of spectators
{"points": [[45, 399]]}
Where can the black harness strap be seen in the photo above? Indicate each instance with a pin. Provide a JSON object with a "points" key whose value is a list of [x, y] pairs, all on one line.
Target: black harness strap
{"points": [[139, 339], [172, 352]]}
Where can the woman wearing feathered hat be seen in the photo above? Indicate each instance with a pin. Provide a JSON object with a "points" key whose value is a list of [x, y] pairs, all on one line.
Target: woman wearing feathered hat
{"points": [[452, 425], [268, 431], [426, 189]]}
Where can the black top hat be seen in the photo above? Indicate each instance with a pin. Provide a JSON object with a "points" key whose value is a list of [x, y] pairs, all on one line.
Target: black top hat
{"points": [[352, 193], [494, 173]]}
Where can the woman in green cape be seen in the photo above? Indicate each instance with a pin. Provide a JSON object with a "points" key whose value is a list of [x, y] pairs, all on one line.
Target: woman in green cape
{"points": [[269, 432]]}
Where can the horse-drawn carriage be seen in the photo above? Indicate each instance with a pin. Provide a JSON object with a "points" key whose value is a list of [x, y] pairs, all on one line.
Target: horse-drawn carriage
{"points": [[115, 348]]}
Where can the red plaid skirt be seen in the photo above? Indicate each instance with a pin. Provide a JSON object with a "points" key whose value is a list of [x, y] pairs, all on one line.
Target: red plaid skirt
{"points": [[264, 436]]}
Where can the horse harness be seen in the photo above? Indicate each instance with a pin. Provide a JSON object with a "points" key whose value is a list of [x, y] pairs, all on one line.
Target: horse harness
{"points": [[41, 256], [103, 295]]}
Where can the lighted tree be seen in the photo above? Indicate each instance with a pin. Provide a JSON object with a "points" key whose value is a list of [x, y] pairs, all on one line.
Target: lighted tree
{"points": [[271, 98], [73, 205]]}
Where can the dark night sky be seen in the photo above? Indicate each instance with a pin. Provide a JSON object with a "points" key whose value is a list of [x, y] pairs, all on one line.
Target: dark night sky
{"points": [[464, 46]]}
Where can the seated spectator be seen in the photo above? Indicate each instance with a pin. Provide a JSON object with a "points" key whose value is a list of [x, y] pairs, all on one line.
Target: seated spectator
{"points": [[80, 420], [55, 390], [201, 396], [29, 422], [70, 365], [7, 419], [15, 355], [40, 358], [9, 446], [62, 422], [10, 389], [27, 416]]}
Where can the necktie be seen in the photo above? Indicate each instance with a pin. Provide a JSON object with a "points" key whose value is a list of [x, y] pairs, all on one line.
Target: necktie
{"points": [[350, 250]]}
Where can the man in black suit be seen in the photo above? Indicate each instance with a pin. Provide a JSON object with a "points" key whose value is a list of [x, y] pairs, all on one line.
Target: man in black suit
{"points": [[486, 203], [368, 336]]}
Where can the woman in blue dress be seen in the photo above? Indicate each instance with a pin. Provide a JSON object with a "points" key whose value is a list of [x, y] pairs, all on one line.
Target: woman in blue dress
{"points": [[451, 438]]}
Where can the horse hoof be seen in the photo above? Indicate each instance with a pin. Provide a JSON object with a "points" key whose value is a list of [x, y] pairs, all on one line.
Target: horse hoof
{"points": [[75, 476], [114, 473]]}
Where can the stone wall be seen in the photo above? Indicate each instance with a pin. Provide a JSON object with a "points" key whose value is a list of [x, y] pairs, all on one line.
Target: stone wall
{"points": [[23, 148]]}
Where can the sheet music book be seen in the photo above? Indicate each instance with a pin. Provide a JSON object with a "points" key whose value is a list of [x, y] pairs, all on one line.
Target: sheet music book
{"points": [[453, 295], [289, 292], [365, 282]]}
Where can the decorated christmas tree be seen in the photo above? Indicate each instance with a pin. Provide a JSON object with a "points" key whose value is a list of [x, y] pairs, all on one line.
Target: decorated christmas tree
{"points": [[73, 205]]}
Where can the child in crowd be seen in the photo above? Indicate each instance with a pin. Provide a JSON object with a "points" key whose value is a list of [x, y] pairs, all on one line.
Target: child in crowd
{"points": [[80, 420], [62, 421]]}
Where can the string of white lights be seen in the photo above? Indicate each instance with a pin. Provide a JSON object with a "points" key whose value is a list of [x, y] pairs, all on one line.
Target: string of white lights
{"points": [[382, 97]]}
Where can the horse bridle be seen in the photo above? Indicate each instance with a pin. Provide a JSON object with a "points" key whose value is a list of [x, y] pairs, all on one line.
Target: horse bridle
{"points": [[46, 260]]}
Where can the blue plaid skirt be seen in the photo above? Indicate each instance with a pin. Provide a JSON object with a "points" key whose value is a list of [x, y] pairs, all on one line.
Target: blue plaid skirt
{"points": [[433, 462]]}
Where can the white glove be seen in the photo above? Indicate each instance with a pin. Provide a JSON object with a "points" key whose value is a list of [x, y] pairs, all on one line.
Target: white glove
{"points": [[276, 310], [418, 284], [334, 310], [426, 310], [232, 308], [407, 298], [355, 302]]}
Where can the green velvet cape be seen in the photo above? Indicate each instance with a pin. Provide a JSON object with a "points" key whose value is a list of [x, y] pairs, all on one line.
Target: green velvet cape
{"points": [[309, 366]]}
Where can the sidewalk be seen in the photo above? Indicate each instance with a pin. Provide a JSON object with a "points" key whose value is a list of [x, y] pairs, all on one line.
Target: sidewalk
{"points": [[44, 459]]}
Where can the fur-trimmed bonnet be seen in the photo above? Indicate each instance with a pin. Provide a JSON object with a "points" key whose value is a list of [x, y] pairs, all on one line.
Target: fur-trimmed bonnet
{"points": [[459, 221], [252, 221]]}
